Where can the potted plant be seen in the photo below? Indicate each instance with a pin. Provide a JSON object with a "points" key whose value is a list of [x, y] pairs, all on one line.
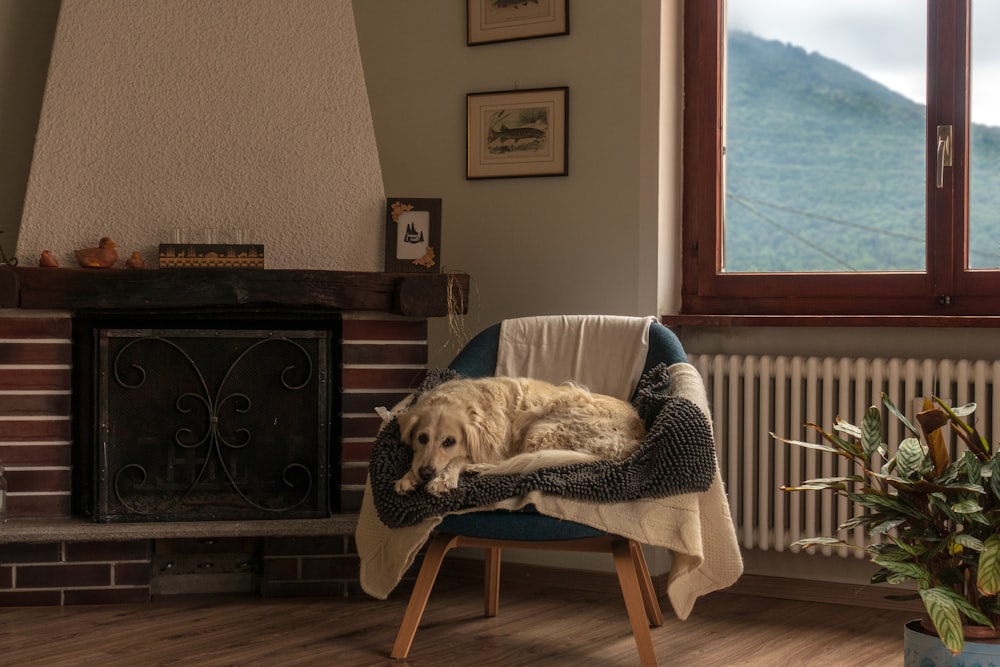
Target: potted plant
{"points": [[932, 519]]}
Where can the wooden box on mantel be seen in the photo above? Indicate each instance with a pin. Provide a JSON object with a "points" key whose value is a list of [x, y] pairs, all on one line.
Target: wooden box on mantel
{"points": [[211, 255]]}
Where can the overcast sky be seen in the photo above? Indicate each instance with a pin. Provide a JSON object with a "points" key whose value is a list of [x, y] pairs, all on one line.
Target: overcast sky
{"points": [[885, 39]]}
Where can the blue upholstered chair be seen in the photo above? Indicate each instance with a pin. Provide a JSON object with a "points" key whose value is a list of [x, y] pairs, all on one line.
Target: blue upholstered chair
{"points": [[494, 530]]}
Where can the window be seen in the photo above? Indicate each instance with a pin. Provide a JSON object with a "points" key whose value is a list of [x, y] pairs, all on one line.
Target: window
{"points": [[817, 188]]}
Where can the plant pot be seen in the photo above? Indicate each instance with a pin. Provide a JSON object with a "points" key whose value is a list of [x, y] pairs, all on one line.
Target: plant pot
{"points": [[923, 649]]}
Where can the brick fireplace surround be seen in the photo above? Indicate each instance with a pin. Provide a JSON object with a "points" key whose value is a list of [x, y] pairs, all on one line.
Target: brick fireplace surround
{"points": [[49, 556]]}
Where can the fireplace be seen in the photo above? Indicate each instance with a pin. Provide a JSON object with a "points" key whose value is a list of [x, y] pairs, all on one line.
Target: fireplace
{"points": [[207, 415], [51, 324]]}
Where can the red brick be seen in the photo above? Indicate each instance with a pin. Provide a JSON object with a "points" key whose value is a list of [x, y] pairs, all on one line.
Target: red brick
{"points": [[281, 569], [384, 330], [62, 576], [37, 481], [382, 378], [35, 430], [355, 451], [16, 598], [12, 554], [138, 595], [304, 546], [36, 327], [350, 501], [26, 405], [56, 454], [39, 506], [386, 354], [77, 552], [36, 353], [342, 567], [35, 378], [366, 402], [212, 545], [354, 475], [360, 427], [132, 574]]}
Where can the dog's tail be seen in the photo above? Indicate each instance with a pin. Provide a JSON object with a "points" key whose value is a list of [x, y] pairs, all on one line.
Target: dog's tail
{"points": [[531, 461]]}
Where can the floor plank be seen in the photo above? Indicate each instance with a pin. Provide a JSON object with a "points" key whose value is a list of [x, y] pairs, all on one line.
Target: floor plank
{"points": [[536, 626]]}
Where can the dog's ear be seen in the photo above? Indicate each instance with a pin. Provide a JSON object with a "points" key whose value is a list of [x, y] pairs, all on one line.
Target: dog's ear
{"points": [[476, 435], [407, 422]]}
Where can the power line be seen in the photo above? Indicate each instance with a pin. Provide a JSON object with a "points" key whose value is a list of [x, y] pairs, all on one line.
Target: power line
{"points": [[745, 203]]}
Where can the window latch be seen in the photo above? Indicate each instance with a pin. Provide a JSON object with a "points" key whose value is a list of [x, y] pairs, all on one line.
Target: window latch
{"points": [[944, 145]]}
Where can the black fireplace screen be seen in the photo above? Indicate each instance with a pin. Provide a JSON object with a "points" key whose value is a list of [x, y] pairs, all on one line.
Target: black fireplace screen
{"points": [[207, 424]]}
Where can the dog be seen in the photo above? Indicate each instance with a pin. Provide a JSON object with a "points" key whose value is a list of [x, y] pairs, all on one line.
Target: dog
{"points": [[502, 425]]}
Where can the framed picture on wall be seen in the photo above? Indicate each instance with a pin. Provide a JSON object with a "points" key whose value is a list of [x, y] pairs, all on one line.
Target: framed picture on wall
{"points": [[517, 133], [412, 235], [509, 20]]}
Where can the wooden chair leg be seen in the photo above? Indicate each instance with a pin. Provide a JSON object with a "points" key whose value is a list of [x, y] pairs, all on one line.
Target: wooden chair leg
{"points": [[492, 581], [632, 592], [437, 548], [649, 598]]}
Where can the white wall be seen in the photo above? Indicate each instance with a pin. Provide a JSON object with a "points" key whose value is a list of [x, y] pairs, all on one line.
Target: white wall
{"points": [[207, 113], [584, 243]]}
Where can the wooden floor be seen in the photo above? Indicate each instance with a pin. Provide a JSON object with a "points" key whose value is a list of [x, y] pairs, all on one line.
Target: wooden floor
{"points": [[535, 627]]}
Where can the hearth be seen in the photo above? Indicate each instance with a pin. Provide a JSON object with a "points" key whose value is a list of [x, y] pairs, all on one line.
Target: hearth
{"points": [[207, 415]]}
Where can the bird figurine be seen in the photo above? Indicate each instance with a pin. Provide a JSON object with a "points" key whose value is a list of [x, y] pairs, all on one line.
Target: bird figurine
{"points": [[47, 259], [101, 257], [135, 262]]}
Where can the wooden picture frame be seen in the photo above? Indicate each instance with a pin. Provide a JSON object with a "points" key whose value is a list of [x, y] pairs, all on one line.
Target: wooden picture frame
{"points": [[517, 133], [491, 21], [412, 235]]}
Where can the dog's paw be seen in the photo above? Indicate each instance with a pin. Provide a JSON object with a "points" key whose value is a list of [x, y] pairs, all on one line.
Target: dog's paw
{"points": [[479, 468], [441, 485], [404, 485]]}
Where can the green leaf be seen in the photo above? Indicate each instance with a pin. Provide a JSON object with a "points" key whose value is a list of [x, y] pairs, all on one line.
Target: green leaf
{"points": [[899, 415], [967, 506], [904, 568], [871, 431], [962, 411], [988, 578], [886, 526], [819, 542], [910, 458], [995, 476], [878, 501], [942, 607], [969, 542], [808, 445]]}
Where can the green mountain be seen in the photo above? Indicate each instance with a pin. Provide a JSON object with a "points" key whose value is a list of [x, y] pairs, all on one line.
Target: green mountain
{"points": [[826, 168]]}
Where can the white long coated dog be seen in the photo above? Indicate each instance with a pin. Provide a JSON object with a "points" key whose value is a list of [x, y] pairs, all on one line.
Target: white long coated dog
{"points": [[502, 425]]}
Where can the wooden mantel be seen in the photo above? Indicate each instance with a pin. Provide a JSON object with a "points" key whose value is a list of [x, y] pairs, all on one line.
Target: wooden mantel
{"points": [[409, 294]]}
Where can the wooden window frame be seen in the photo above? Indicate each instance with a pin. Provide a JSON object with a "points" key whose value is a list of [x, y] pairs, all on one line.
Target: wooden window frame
{"points": [[945, 289]]}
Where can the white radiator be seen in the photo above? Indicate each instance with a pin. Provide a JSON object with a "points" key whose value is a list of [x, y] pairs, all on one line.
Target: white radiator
{"points": [[753, 396]]}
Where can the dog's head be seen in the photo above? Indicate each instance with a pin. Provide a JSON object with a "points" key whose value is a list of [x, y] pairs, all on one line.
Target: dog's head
{"points": [[438, 434]]}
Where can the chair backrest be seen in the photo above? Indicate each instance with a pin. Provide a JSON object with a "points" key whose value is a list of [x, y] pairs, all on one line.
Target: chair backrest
{"points": [[479, 356]]}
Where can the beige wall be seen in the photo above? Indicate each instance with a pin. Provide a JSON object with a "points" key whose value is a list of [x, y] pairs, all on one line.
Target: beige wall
{"points": [[207, 114], [585, 243]]}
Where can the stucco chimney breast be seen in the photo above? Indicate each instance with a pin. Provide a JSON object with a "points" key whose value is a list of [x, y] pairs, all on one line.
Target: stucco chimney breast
{"points": [[205, 114]]}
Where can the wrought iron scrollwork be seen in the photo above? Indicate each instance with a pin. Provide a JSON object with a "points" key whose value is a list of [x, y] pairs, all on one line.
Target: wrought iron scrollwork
{"points": [[205, 430]]}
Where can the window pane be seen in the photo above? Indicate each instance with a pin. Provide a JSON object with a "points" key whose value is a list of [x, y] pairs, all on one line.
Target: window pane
{"points": [[984, 137], [825, 126]]}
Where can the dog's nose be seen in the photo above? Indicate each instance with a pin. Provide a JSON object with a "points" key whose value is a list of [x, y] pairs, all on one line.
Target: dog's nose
{"points": [[426, 473]]}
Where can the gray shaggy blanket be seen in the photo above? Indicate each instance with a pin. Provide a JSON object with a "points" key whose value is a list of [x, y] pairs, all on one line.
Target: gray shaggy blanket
{"points": [[677, 456]]}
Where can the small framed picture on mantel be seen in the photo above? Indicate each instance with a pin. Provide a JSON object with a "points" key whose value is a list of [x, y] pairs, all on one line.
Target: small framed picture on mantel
{"points": [[412, 235]]}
